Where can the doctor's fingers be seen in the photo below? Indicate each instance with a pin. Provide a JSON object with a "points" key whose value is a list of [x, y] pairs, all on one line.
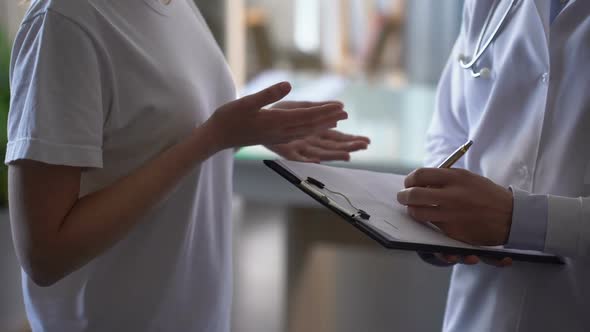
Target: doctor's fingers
{"points": [[434, 214], [262, 98], [506, 262], [473, 260], [456, 259], [438, 177], [427, 197]]}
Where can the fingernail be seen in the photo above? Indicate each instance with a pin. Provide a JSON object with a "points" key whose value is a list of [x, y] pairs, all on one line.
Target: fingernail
{"points": [[285, 87], [333, 107]]}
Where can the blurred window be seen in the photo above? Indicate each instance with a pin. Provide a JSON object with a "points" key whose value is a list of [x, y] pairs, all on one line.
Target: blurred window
{"points": [[307, 25]]}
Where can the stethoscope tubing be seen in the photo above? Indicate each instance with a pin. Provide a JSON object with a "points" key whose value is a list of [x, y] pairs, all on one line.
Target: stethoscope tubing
{"points": [[479, 51]]}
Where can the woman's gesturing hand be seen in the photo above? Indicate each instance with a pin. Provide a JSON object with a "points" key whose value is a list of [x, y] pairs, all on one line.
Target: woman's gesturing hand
{"points": [[329, 145], [244, 122]]}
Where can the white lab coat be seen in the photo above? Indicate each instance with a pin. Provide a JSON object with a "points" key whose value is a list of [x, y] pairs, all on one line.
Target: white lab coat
{"points": [[531, 125]]}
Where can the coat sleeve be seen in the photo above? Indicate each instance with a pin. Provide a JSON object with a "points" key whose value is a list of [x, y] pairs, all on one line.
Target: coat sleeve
{"points": [[565, 230], [568, 226]]}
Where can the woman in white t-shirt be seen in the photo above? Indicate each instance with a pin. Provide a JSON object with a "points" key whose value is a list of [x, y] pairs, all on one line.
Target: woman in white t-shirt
{"points": [[122, 131]]}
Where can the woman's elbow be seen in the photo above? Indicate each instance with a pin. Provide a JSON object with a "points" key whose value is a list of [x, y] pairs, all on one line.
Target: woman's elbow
{"points": [[43, 279], [42, 270]]}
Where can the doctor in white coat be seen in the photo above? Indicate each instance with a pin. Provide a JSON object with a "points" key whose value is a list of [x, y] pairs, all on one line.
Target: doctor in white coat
{"points": [[525, 183]]}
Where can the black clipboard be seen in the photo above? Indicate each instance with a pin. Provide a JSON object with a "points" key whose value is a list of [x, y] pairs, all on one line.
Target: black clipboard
{"points": [[407, 246]]}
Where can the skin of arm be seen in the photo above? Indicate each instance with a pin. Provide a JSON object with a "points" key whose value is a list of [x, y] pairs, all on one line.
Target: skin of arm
{"points": [[55, 232]]}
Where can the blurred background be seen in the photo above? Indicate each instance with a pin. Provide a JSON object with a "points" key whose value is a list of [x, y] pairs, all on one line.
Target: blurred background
{"points": [[298, 267]]}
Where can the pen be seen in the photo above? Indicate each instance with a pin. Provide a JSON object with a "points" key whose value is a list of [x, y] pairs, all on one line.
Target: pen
{"points": [[452, 159]]}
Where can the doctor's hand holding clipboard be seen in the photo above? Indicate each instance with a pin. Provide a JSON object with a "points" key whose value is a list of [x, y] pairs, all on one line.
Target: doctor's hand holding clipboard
{"points": [[451, 199]]}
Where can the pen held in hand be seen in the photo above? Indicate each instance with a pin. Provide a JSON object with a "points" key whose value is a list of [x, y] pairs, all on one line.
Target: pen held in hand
{"points": [[452, 159]]}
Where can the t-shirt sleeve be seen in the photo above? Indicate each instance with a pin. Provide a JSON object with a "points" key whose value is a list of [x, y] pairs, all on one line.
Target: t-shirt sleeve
{"points": [[57, 108]]}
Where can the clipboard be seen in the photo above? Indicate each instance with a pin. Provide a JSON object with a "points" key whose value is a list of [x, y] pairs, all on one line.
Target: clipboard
{"points": [[311, 184]]}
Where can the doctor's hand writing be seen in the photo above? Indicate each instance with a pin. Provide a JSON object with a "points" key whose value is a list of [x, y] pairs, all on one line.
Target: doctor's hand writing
{"points": [[245, 122], [465, 206], [329, 145]]}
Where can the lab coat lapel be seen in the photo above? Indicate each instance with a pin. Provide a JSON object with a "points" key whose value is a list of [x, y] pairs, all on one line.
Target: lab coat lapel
{"points": [[543, 8], [572, 3]]}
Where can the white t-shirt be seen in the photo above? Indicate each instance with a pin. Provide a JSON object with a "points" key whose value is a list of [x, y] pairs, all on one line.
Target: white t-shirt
{"points": [[108, 85]]}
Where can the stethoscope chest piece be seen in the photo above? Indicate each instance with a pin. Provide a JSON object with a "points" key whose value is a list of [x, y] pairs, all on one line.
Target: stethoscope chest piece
{"points": [[484, 73]]}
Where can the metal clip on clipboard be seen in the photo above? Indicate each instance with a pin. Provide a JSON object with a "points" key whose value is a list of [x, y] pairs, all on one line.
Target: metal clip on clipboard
{"points": [[316, 187]]}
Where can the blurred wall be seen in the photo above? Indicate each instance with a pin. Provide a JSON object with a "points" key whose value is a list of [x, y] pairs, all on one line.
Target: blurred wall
{"points": [[11, 13], [12, 314], [431, 30], [280, 14], [214, 14]]}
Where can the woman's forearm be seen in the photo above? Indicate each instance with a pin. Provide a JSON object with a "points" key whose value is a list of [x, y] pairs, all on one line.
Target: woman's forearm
{"points": [[99, 220], [57, 235]]}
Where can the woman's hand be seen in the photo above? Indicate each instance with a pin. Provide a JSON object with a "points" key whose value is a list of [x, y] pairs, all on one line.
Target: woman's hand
{"points": [[243, 122], [329, 145]]}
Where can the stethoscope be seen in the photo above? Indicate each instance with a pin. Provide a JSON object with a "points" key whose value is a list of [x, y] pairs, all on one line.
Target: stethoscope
{"points": [[479, 50]]}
